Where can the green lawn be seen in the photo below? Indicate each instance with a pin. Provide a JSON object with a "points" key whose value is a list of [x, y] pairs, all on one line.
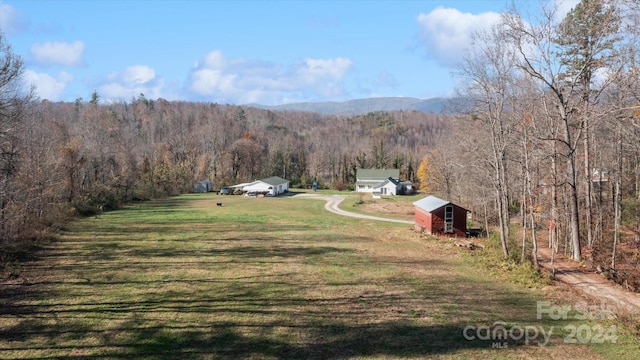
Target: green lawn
{"points": [[263, 278]]}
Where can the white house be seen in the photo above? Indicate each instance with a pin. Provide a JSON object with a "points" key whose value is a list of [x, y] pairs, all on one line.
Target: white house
{"points": [[393, 187], [272, 186], [387, 187], [368, 179]]}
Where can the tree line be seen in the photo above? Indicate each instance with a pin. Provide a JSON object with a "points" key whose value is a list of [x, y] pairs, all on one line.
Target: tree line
{"points": [[544, 142]]}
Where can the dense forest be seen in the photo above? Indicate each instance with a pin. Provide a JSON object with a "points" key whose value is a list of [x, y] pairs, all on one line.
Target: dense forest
{"points": [[545, 140], [85, 157]]}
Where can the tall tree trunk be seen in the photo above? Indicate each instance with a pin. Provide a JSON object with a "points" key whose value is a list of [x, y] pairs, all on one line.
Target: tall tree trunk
{"points": [[636, 234], [500, 183], [588, 183], [530, 204], [553, 235], [523, 209], [576, 254], [574, 215], [502, 222], [617, 197]]}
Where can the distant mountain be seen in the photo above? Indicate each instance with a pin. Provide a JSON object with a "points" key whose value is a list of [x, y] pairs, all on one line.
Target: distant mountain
{"points": [[364, 106]]}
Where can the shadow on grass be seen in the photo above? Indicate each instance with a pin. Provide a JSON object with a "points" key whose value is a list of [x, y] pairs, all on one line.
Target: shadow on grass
{"points": [[230, 340], [251, 317], [332, 342], [265, 294], [226, 341]]}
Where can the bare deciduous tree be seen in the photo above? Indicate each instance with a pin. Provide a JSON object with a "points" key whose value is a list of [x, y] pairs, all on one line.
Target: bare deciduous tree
{"points": [[490, 69], [14, 103]]}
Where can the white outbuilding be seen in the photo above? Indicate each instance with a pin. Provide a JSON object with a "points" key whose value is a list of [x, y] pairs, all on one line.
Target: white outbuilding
{"points": [[272, 186]]}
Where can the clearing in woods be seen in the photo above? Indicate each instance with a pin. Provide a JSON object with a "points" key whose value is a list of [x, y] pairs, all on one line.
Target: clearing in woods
{"points": [[277, 278]]}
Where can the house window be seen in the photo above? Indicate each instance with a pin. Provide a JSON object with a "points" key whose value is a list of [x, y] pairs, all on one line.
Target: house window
{"points": [[448, 219]]}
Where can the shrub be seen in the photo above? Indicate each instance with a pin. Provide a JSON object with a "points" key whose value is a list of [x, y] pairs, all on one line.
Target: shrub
{"points": [[340, 186]]}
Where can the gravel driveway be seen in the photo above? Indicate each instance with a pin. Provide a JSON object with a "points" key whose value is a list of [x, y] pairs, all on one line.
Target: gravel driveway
{"points": [[333, 205]]}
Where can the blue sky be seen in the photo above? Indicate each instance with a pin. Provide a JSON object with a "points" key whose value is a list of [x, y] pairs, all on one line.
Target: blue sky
{"points": [[242, 52]]}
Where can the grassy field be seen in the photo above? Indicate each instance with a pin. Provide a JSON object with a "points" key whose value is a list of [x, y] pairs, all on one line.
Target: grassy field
{"points": [[269, 278]]}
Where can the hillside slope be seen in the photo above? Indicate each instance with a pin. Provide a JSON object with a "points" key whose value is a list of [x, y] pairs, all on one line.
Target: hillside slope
{"points": [[363, 106]]}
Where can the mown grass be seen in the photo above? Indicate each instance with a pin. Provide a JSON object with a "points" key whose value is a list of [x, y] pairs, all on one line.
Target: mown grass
{"points": [[259, 278]]}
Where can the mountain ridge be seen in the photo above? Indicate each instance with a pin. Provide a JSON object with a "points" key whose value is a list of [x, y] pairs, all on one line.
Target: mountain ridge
{"points": [[365, 105]]}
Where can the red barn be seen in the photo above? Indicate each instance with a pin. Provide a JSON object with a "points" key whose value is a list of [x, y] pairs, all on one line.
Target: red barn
{"points": [[440, 217]]}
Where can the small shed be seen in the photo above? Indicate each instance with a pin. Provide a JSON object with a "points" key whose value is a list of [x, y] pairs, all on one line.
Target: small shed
{"points": [[440, 217], [203, 186], [405, 188]]}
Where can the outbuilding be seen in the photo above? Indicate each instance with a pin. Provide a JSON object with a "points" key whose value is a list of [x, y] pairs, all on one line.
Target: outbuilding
{"points": [[272, 186], [203, 186], [440, 217]]}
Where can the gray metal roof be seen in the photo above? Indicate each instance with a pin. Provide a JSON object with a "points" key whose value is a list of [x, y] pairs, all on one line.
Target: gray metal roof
{"points": [[375, 174], [384, 183], [430, 203], [243, 184], [275, 180]]}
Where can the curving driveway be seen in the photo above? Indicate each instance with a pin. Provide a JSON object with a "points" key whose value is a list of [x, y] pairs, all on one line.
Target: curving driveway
{"points": [[333, 205]]}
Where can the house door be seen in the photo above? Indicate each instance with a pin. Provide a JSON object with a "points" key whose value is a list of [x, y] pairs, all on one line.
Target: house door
{"points": [[448, 219]]}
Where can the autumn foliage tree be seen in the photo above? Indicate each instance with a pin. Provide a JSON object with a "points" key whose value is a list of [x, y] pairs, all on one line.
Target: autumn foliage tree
{"points": [[434, 173]]}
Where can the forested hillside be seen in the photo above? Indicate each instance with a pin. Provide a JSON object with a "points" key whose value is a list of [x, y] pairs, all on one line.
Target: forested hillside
{"points": [[86, 157], [545, 140]]}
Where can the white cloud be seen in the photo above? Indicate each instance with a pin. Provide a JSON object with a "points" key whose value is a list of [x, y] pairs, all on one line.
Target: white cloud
{"points": [[47, 86], [138, 75], [10, 20], [446, 33], [214, 59], [563, 7], [601, 77], [314, 69], [240, 81], [131, 82], [210, 81], [58, 53]]}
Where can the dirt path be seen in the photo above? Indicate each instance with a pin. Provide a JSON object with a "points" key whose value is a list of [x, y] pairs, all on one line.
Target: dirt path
{"points": [[566, 271], [594, 285]]}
